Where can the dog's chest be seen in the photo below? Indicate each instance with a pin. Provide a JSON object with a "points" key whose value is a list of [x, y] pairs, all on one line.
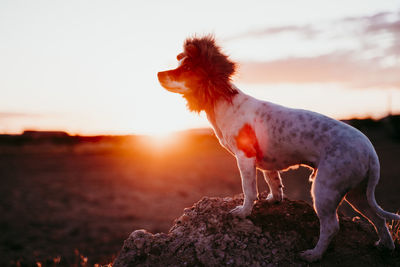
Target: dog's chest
{"points": [[228, 121], [222, 131]]}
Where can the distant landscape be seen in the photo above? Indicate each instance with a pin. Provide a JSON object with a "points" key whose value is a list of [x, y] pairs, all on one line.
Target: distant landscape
{"points": [[72, 200]]}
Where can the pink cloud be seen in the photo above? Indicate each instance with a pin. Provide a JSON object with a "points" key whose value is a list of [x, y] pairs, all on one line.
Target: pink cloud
{"points": [[10, 115], [306, 31], [337, 67], [347, 66]]}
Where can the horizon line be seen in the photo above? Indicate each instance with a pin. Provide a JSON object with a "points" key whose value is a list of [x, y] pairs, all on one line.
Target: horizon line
{"points": [[28, 131]]}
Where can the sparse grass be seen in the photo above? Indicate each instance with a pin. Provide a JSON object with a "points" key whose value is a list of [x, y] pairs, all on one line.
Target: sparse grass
{"points": [[79, 261], [394, 229]]}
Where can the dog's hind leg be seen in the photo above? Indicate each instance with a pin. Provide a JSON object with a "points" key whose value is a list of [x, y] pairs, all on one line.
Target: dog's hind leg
{"points": [[327, 195], [357, 198], [274, 182]]}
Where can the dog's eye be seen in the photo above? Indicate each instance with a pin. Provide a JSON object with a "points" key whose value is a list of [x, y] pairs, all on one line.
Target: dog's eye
{"points": [[186, 67]]}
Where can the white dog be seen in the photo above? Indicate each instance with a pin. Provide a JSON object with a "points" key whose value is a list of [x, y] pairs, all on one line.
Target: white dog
{"points": [[272, 138]]}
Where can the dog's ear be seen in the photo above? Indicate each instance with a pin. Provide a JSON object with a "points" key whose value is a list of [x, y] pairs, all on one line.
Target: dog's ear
{"points": [[191, 50], [180, 56]]}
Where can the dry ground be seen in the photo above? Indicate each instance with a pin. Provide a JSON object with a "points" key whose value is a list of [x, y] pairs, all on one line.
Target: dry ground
{"points": [[74, 204]]}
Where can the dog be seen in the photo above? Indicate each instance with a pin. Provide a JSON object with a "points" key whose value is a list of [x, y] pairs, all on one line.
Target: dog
{"points": [[272, 138]]}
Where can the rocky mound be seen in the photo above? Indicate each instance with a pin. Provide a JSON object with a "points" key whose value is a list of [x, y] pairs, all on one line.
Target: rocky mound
{"points": [[207, 235]]}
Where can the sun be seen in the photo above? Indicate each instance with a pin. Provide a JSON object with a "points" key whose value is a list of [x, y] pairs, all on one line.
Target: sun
{"points": [[159, 133], [161, 141]]}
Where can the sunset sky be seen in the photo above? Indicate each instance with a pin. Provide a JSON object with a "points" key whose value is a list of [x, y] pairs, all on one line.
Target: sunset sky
{"points": [[89, 67]]}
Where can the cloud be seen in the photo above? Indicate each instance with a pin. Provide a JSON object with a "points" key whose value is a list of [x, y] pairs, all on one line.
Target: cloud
{"points": [[371, 58], [305, 31], [384, 21], [337, 67], [375, 18], [368, 24], [11, 115]]}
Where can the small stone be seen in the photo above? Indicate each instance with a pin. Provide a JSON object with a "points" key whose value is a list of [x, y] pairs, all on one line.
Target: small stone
{"points": [[262, 241], [139, 242]]}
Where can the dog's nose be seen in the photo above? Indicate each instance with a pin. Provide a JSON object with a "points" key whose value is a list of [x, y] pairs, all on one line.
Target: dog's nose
{"points": [[160, 75]]}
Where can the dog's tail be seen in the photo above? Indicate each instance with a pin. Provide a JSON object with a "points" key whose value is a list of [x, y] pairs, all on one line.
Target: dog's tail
{"points": [[373, 178]]}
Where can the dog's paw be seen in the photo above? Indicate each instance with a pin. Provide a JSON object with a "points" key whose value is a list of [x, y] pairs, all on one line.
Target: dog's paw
{"points": [[385, 244], [310, 255], [240, 211], [271, 199]]}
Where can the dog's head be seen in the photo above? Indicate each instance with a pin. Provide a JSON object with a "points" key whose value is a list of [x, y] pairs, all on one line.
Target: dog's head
{"points": [[203, 74]]}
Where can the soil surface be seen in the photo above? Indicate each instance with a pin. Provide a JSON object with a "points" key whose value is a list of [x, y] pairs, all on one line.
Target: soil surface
{"points": [[72, 201], [207, 235]]}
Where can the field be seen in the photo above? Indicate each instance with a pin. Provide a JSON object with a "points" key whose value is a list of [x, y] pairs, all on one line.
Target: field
{"points": [[73, 200]]}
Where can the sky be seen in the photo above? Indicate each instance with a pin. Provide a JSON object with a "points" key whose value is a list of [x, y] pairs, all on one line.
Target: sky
{"points": [[90, 67]]}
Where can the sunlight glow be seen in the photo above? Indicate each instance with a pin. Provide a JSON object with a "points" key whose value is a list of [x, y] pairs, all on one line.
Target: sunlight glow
{"points": [[160, 142], [98, 73]]}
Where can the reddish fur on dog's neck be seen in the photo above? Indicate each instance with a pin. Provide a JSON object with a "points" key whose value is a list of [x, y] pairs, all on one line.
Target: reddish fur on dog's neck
{"points": [[214, 70]]}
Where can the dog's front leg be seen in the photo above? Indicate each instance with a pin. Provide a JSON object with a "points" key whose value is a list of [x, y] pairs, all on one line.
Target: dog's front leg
{"points": [[247, 168]]}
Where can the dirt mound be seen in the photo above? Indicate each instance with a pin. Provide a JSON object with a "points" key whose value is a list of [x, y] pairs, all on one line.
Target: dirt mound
{"points": [[207, 235]]}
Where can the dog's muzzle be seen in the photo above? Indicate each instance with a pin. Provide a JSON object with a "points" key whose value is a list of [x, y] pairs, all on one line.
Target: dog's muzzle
{"points": [[171, 85]]}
